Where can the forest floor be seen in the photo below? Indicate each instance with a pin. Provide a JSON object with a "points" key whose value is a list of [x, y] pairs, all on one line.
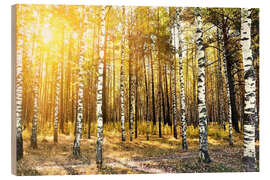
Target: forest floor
{"points": [[158, 155]]}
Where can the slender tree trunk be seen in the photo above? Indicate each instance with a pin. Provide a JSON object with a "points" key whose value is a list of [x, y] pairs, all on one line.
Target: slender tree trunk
{"points": [[132, 80], [173, 90], [122, 76], [56, 110], [182, 90], [35, 88], [91, 84], [229, 66], [35, 105], [105, 89], [79, 120], [19, 87], [160, 119], [131, 98], [152, 79], [195, 120], [249, 158], [168, 117], [228, 95], [147, 99], [99, 114], [203, 127], [221, 109], [136, 97]]}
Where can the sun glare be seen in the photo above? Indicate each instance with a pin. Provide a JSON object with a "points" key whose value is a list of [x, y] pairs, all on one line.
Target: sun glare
{"points": [[46, 33]]}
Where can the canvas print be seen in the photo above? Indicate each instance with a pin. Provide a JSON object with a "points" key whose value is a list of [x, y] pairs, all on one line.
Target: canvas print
{"points": [[135, 89]]}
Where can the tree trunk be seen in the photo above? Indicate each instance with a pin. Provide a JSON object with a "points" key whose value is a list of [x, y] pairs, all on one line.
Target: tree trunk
{"points": [[152, 78], [105, 89], [122, 76], [147, 99], [228, 94], [79, 120], [132, 80], [56, 110], [160, 119], [168, 116], [35, 105], [99, 114], [136, 97], [221, 109], [173, 92], [249, 158], [182, 90], [230, 81], [203, 127], [19, 87]]}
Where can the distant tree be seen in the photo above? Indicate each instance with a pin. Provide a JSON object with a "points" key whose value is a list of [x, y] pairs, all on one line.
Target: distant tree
{"points": [[78, 128], [56, 110], [36, 83]]}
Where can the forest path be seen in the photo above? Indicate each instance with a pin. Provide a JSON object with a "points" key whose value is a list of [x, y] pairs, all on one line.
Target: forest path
{"points": [[137, 165], [150, 164]]}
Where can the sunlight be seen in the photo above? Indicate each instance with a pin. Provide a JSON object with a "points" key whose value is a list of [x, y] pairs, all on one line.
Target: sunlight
{"points": [[134, 89], [74, 35], [46, 33]]}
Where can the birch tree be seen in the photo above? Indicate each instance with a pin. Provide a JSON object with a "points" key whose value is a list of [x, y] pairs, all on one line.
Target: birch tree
{"points": [[203, 126], [56, 110], [122, 76], [78, 128], [132, 78], [35, 89], [249, 158], [182, 90], [19, 86], [99, 114]]}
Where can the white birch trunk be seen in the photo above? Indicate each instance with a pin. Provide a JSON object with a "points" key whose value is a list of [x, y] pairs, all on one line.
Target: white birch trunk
{"points": [[19, 85], [182, 90], [56, 110], [174, 101], [99, 114], [203, 126], [132, 89], [122, 76], [249, 158], [76, 147]]}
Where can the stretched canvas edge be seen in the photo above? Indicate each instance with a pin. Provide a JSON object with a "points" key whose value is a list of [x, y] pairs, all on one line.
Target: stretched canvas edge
{"points": [[13, 89]]}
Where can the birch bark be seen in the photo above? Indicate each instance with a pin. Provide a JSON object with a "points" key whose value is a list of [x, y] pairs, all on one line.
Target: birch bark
{"points": [[182, 90], [203, 126], [99, 114], [250, 92]]}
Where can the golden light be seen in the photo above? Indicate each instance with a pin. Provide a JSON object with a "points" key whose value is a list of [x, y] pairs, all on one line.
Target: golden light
{"points": [[74, 35], [46, 33]]}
